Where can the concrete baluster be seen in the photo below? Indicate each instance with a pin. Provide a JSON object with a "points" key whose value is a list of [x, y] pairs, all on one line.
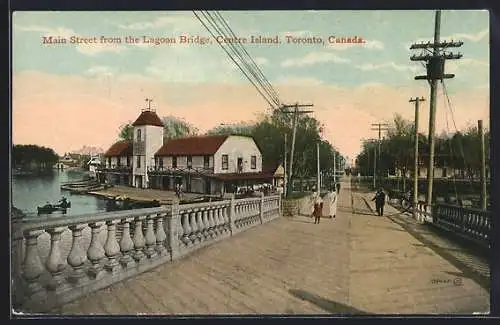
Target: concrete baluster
{"points": [[160, 235], [185, 227], [218, 220], [112, 248], [126, 244], [206, 225], [194, 227], [150, 237], [77, 255], [200, 226], [211, 222], [32, 265], [95, 253], [139, 241], [55, 264]]}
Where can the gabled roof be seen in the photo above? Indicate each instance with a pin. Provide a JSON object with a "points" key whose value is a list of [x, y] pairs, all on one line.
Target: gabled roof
{"points": [[271, 167], [148, 118], [121, 148], [192, 146]]}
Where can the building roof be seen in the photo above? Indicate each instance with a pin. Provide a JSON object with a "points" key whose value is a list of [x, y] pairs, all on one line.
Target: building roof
{"points": [[148, 118], [192, 146], [121, 148]]}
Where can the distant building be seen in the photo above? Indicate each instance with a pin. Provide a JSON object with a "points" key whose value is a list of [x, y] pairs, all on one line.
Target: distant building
{"points": [[202, 164], [94, 164]]}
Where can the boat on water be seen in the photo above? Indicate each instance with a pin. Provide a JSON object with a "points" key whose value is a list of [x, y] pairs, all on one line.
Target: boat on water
{"points": [[48, 208]]}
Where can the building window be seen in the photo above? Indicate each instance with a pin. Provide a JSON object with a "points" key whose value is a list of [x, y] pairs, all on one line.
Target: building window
{"points": [[109, 162], [253, 162], [225, 162], [128, 161], [160, 162], [138, 161], [139, 135], [189, 161], [174, 162], [206, 162]]}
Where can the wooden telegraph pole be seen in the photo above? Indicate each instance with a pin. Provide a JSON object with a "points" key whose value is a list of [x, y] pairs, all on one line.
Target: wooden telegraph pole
{"points": [[415, 161], [435, 63], [318, 175], [284, 167], [377, 127], [484, 201], [295, 113]]}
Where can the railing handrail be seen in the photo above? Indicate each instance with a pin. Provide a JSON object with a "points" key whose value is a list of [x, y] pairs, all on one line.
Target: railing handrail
{"points": [[41, 223], [475, 210]]}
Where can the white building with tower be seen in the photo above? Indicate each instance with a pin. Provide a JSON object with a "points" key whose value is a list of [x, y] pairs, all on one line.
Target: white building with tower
{"points": [[202, 164]]}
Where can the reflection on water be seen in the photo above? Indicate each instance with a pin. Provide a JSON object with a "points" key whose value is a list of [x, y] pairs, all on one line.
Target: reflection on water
{"points": [[31, 191]]}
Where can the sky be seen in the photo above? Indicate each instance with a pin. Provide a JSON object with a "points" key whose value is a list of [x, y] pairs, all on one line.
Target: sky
{"points": [[65, 96]]}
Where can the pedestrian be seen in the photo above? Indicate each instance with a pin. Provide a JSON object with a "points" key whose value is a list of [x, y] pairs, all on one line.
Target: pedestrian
{"points": [[337, 187], [318, 209], [379, 201]]}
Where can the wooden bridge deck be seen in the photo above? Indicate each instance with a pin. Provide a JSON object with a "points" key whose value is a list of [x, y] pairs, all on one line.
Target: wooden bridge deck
{"points": [[355, 263]]}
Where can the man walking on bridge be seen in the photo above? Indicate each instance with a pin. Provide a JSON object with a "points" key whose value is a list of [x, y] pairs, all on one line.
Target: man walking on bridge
{"points": [[379, 201]]}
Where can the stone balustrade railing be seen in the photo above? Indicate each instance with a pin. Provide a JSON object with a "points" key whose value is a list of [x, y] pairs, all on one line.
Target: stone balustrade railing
{"points": [[473, 224], [58, 259]]}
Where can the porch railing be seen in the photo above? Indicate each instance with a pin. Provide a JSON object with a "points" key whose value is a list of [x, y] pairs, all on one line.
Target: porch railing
{"points": [[58, 259]]}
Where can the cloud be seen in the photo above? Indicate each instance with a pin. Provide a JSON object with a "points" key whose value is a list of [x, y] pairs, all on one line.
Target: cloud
{"points": [[387, 65], [67, 33], [100, 71], [313, 58], [261, 61], [453, 66], [470, 37], [299, 81], [177, 21]]}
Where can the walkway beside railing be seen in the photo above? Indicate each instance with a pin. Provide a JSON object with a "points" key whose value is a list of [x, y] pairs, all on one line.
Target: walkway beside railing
{"points": [[110, 247]]}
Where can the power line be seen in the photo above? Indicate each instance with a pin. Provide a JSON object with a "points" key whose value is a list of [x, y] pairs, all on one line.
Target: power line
{"points": [[232, 58], [267, 85], [216, 22]]}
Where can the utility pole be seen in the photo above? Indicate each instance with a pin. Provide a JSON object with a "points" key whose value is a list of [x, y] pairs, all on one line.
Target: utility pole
{"points": [[334, 168], [435, 64], [415, 161], [374, 166], [484, 204], [284, 167], [378, 127], [318, 180], [295, 113]]}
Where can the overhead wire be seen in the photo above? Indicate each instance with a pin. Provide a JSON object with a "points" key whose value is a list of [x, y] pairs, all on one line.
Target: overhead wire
{"points": [[256, 68], [231, 55]]}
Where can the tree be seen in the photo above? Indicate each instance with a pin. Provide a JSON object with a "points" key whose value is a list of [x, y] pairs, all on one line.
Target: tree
{"points": [[174, 127], [126, 132], [29, 156]]}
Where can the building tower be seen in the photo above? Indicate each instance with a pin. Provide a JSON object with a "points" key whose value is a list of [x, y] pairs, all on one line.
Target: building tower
{"points": [[147, 139]]}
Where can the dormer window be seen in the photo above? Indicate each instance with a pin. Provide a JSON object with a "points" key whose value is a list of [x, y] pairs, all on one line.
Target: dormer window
{"points": [[139, 135]]}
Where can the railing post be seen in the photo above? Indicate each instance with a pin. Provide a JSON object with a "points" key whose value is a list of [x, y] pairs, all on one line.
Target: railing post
{"points": [[280, 208], [232, 215], [261, 214], [174, 225]]}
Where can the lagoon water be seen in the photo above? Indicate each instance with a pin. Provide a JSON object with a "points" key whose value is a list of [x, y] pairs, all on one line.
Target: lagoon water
{"points": [[30, 191]]}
